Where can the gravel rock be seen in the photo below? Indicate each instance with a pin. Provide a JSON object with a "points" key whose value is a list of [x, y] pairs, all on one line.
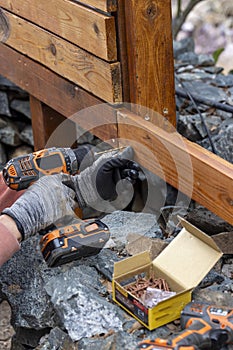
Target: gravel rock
{"points": [[10, 135], [26, 135], [21, 106], [4, 106]]}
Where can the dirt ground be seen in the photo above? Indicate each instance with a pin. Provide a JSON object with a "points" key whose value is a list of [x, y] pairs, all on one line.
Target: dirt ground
{"points": [[6, 330]]}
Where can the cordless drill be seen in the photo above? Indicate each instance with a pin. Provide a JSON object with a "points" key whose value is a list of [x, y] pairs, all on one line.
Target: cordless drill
{"points": [[74, 238], [206, 327], [20, 172]]}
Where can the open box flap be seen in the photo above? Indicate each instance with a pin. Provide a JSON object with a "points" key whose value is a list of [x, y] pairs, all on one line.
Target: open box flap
{"points": [[189, 257], [131, 264]]}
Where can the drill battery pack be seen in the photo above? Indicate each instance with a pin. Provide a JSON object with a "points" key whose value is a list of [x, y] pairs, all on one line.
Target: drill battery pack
{"points": [[78, 239]]}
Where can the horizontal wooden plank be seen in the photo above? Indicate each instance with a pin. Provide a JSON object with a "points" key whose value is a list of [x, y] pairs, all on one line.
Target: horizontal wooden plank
{"points": [[57, 92], [91, 73], [103, 5], [42, 83], [193, 170], [90, 30]]}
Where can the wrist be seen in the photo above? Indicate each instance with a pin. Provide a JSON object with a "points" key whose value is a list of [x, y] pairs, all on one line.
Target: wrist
{"points": [[8, 222]]}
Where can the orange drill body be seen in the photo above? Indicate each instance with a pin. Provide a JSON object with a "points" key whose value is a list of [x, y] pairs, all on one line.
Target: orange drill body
{"points": [[205, 327]]}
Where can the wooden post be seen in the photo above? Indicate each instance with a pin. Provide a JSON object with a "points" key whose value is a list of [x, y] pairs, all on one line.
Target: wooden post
{"points": [[44, 121], [150, 57]]}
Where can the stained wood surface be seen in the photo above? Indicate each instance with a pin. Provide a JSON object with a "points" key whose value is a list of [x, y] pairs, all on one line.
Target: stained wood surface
{"points": [[150, 56], [61, 95], [104, 5], [90, 30], [122, 44], [94, 75], [38, 124], [51, 129], [196, 172], [44, 121]]}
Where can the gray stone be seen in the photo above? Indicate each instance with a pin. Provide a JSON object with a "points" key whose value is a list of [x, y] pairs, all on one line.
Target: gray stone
{"points": [[169, 218], [183, 69], [6, 330], [224, 144], [203, 89], [123, 223], [213, 297], [206, 60], [224, 240], [211, 278], [3, 122], [4, 106], [10, 135], [182, 46], [192, 127], [213, 70], [3, 156], [23, 286], [56, 340], [207, 221], [227, 269], [223, 81], [189, 58], [29, 337], [104, 262], [117, 341], [224, 115], [225, 287], [26, 135], [22, 107], [82, 311], [138, 244], [200, 75]]}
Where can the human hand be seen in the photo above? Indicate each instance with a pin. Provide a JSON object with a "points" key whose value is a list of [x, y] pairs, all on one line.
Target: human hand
{"points": [[44, 203], [107, 183]]}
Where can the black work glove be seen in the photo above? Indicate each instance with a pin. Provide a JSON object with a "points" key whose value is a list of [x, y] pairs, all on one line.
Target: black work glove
{"points": [[107, 184]]}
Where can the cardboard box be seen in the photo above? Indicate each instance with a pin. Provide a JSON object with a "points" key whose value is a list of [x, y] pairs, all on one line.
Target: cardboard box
{"points": [[183, 264]]}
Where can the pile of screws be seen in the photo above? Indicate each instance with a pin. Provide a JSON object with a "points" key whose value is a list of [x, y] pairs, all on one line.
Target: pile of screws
{"points": [[139, 287]]}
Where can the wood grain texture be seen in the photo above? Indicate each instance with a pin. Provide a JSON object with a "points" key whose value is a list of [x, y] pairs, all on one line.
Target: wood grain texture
{"points": [[93, 74], [90, 30], [44, 121], [196, 172], [103, 5], [38, 124], [61, 95], [122, 49], [150, 56]]}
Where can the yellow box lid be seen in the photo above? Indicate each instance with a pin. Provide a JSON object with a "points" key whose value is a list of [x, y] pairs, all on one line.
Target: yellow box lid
{"points": [[189, 256], [131, 264]]}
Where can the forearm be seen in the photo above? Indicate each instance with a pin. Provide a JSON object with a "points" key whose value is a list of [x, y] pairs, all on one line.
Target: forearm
{"points": [[9, 238]]}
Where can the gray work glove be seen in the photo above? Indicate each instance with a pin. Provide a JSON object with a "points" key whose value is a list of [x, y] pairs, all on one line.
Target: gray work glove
{"points": [[44, 203], [107, 184]]}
